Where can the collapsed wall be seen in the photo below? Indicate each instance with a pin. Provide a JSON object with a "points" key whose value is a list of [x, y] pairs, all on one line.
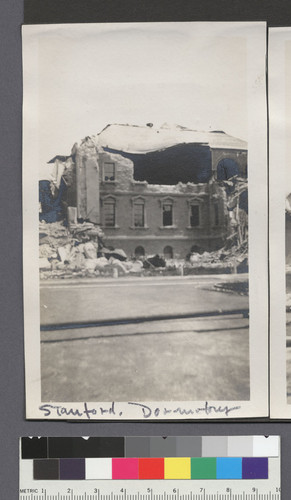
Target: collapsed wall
{"points": [[179, 163], [95, 176]]}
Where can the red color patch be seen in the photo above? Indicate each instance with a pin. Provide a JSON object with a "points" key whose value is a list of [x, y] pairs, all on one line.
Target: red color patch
{"points": [[151, 468]]}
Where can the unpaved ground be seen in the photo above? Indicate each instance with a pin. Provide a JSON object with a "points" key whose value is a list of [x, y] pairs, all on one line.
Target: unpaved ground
{"points": [[168, 360], [134, 298]]}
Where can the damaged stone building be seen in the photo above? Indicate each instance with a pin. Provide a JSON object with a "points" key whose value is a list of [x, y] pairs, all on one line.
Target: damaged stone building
{"points": [[154, 190]]}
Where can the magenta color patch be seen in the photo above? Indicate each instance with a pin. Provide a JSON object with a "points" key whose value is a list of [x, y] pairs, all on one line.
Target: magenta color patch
{"points": [[124, 468]]}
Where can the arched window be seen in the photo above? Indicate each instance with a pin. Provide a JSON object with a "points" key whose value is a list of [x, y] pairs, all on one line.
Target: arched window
{"points": [[227, 168], [196, 249], [139, 251], [168, 252]]}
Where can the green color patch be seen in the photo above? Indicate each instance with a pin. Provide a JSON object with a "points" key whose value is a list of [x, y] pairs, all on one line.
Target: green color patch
{"points": [[203, 468]]}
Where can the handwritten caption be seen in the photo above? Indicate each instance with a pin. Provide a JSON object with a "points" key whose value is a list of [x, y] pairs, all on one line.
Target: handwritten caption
{"points": [[142, 411]]}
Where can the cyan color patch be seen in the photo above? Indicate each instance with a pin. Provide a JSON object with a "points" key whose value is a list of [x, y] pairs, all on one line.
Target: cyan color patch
{"points": [[228, 468]]}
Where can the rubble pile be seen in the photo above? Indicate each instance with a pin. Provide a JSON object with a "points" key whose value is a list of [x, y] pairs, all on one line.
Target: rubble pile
{"points": [[51, 237], [225, 260], [63, 251], [79, 251]]}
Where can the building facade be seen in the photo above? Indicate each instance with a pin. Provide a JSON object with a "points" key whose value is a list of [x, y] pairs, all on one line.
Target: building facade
{"points": [[150, 197], [169, 220], [168, 201]]}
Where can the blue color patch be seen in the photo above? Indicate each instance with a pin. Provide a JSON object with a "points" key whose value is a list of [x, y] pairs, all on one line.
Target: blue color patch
{"points": [[228, 468]]}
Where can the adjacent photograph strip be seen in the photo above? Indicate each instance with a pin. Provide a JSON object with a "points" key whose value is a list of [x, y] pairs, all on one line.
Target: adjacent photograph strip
{"points": [[145, 221], [280, 220], [205, 467]]}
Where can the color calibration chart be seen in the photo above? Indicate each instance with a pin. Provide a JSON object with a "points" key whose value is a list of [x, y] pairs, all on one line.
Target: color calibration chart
{"points": [[150, 468]]}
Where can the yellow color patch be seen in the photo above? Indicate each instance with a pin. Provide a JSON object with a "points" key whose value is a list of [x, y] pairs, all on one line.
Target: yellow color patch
{"points": [[177, 468]]}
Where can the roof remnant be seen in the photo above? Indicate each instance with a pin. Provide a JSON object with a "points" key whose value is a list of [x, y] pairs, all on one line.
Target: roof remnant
{"points": [[59, 157], [144, 139]]}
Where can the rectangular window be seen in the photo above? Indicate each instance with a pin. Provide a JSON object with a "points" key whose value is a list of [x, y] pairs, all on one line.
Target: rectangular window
{"points": [[167, 214], [138, 214], [194, 215], [109, 172], [109, 214], [216, 214]]}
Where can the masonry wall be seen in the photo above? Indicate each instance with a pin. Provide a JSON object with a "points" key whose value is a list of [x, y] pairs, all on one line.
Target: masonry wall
{"points": [[123, 191], [153, 237], [87, 193]]}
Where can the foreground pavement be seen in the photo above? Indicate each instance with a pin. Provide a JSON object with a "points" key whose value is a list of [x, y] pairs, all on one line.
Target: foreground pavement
{"points": [[201, 359], [134, 298], [142, 358]]}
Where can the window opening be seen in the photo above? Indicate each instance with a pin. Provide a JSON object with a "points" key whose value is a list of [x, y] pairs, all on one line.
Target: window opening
{"points": [[139, 251], [168, 252], [138, 214], [194, 215], [109, 213], [167, 214], [109, 172]]}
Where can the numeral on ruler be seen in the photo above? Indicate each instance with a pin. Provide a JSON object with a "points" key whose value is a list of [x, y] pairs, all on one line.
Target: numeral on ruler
{"points": [[202, 495]]}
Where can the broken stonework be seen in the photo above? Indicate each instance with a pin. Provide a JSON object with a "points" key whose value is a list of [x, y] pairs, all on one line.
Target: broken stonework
{"points": [[44, 263], [169, 191], [90, 250]]}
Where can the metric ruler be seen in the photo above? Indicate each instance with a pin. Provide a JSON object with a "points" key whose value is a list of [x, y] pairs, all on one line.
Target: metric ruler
{"points": [[158, 468], [148, 491]]}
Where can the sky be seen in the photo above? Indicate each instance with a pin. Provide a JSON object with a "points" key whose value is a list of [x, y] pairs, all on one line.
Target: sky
{"points": [[88, 76]]}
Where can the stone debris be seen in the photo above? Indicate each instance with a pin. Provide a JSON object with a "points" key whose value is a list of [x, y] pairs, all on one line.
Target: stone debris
{"points": [[90, 250], [44, 263], [46, 251], [80, 252]]}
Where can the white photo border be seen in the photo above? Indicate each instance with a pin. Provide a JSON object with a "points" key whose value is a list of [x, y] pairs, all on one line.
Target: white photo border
{"points": [[257, 406]]}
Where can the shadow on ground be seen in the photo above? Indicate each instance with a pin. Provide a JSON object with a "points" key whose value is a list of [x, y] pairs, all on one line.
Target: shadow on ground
{"points": [[179, 360]]}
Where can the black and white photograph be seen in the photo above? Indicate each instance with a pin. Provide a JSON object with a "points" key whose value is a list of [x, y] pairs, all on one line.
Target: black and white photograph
{"points": [[145, 230], [280, 220]]}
